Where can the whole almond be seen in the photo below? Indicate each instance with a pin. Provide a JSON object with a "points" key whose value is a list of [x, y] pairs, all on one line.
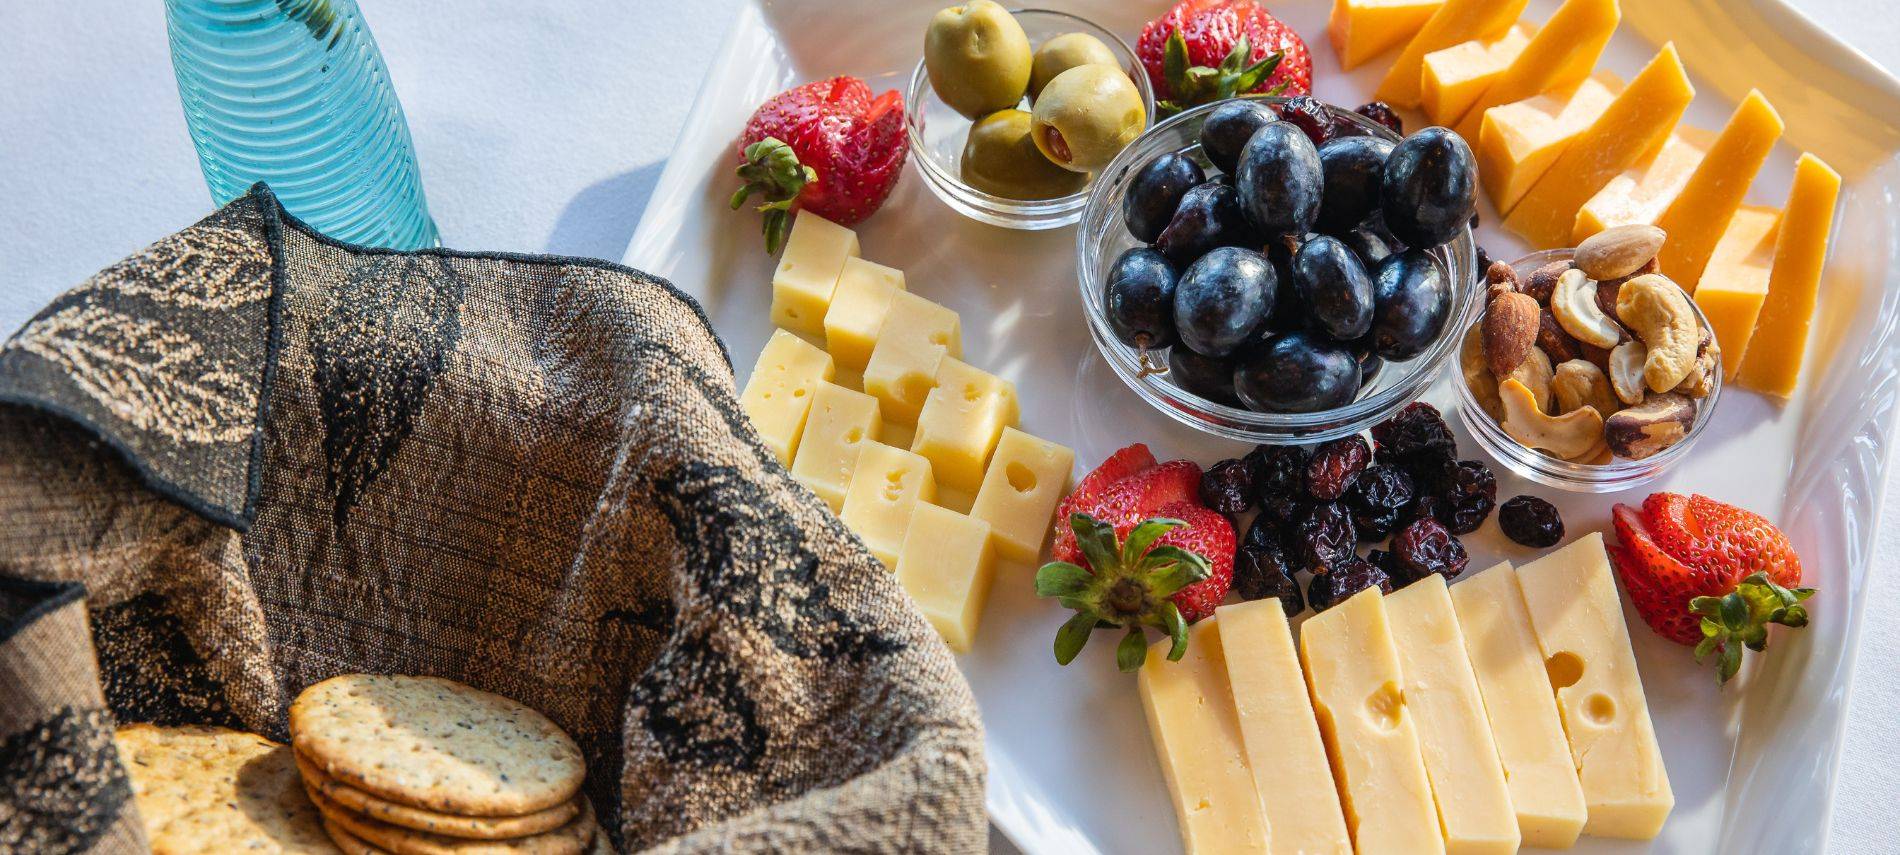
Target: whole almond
{"points": [[1509, 332], [1501, 273], [1552, 338], [1544, 280], [1619, 251]]}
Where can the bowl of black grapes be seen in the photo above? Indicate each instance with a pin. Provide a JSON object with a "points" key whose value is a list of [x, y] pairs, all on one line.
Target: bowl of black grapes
{"points": [[1281, 269]]}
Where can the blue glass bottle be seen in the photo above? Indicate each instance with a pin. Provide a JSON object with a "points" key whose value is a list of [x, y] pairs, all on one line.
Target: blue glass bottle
{"points": [[295, 93]]}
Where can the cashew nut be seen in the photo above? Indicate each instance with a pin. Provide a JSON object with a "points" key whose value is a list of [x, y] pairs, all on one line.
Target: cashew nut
{"points": [[1626, 371], [1579, 383], [1701, 379], [1535, 373], [1658, 312], [1598, 456], [1478, 377], [1568, 436], [1574, 302]]}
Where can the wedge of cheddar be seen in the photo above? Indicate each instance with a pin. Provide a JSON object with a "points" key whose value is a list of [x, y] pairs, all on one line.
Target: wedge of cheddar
{"points": [[778, 395], [841, 421], [1452, 79], [1772, 365], [1558, 59], [1352, 672], [1455, 21], [1520, 141], [1578, 617], [1277, 725], [1441, 692], [1643, 191], [1509, 667], [1363, 29], [1696, 219], [1629, 129], [1197, 738], [1736, 281]]}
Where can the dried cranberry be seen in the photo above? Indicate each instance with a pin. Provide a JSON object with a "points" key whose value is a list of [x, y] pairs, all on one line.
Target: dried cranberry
{"points": [[1326, 537], [1282, 509], [1262, 572], [1424, 546], [1531, 521], [1416, 431], [1469, 498], [1278, 470], [1431, 472], [1350, 577], [1484, 259], [1310, 115], [1382, 113], [1227, 487], [1335, 465], [1379, 499]]}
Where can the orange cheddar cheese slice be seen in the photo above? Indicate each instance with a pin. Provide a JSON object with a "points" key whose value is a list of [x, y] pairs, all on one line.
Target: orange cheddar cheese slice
{"points": [[1557, 59], [1643, 191], [1696, 219], [1454, 22], [1633, 126], [1363, 29], [1736, 280], [1521, 140], [1772, 364], [1453, 78]]}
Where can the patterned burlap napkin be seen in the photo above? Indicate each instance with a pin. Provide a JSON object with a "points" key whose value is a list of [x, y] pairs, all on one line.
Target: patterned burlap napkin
{"points": [[249, 458]]}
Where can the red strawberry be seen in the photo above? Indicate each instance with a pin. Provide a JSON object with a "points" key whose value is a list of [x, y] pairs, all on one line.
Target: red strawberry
{"points": [[827, 147], [1119, 465], [1708, 574], [1209, 535], [1221, 48], [1129, 500]]}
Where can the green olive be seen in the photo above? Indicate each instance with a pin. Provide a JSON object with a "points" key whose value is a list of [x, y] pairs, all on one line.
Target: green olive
{"points": [[1086, 116], [999, 158], [1064, 52], [978, 58]]}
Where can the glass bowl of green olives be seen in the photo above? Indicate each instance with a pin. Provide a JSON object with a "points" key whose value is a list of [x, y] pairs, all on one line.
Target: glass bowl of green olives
{"points": [[1279, 270], [1012, 113]]}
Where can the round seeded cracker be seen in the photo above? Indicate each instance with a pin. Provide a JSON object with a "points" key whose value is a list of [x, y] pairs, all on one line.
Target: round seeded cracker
{"points": [[574, 838], [210, 789], [350, 843], [477, 827], [435, 744]]}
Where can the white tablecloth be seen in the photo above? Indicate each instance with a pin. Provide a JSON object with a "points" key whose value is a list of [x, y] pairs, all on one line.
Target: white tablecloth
{"points": [[543, 128]]}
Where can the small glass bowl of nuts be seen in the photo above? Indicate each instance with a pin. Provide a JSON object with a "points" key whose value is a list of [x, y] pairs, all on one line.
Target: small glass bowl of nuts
{"points": [[1584, 384]]}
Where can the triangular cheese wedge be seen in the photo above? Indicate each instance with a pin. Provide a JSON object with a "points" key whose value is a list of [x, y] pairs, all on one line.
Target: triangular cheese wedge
{"points": [[1736, 280], [1694, 221], [1772, 364], [1454, 22], [1644, 191], [1559, 57], [1521, 140]]}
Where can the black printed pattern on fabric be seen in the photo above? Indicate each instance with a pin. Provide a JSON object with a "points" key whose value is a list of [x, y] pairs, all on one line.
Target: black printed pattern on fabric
{"points": [[698, 710], [731, 531], [397, 322], [149, 670], [61, 785]]}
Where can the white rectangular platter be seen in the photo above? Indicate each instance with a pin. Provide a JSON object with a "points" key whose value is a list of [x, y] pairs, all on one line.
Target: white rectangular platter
{"points": [[1071, 769]]}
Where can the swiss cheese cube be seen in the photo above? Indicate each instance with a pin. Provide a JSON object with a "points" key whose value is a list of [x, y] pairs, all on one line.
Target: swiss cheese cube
{"points": [[1630, 128], [1279, 730], [916, 336], [1196, 733], [1642, 192], [808, 272], [963, 417], [1772, 365], [1441, 693], [1454, 22], [1697, 217], [778, 395], [1363, 29], [857, 310], [841, 421], [1578, 617], [1736, 281], [1558, 59], [1453, 78], [1352, 671], [887, 485], [1522, 711], [1026, 479], [1520, 140], [946, 565]]}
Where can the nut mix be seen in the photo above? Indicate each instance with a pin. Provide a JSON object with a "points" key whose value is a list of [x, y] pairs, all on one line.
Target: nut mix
{"points": [[1596, 358]]}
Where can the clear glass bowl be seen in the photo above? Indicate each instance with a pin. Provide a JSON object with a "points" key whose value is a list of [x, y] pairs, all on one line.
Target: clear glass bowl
{"points": [[1618, 474], [937, 134], [1104, 236]]}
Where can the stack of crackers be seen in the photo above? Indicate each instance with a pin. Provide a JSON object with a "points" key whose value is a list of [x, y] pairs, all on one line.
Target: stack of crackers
{"points": [[389, 764]]}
